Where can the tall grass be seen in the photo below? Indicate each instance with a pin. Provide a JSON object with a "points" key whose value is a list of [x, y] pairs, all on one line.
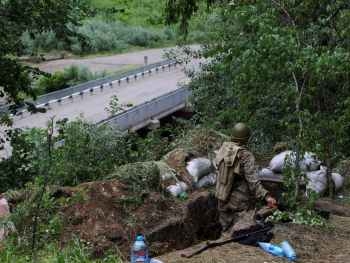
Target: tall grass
{"points": [[76, 252], [95, 35]]}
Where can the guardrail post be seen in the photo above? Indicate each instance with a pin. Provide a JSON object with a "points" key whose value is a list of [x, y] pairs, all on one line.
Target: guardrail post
{"points": [[110, 84], [135, 77], [127, 79], [119, 81]]}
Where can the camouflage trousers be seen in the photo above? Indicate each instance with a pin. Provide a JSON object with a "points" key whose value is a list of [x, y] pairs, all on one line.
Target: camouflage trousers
{"points": [[236, 214]]}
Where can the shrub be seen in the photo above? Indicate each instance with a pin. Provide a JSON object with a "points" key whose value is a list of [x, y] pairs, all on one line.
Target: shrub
{"points": [[95, 35], [139, 36], [68, 77], [45, 41]]}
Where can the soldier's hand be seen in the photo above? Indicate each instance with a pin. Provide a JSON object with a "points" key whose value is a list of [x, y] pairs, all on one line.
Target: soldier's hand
{"points": [[271, 201]]}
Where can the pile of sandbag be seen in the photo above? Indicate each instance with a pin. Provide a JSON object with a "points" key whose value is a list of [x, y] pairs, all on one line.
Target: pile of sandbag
{"points": [[202, 173], [308, 164]]}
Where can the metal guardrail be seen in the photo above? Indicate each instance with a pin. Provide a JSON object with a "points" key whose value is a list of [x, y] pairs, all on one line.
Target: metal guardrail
{"points": [[141, 114], [79, 89]]}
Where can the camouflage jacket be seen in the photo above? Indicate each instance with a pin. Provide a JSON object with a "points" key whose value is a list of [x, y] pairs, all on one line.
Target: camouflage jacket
{"points": [[236, 164]]}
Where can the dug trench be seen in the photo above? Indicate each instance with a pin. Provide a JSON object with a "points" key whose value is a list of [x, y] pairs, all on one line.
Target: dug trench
{"points": [[107, 219]]}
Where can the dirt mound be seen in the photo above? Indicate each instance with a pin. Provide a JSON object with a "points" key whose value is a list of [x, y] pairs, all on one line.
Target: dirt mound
{"points": [[313, 245], [106, 216]]}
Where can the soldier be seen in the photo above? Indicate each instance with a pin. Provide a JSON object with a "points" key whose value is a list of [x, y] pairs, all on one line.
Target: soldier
{"points": [[237, 186]]}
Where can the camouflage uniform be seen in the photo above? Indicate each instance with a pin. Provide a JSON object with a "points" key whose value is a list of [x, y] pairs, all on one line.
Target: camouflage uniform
{"points": [[241, 187]]}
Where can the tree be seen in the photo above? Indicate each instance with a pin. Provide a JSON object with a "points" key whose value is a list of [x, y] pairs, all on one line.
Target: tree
{"points": [[19, 16], [283, 67]]}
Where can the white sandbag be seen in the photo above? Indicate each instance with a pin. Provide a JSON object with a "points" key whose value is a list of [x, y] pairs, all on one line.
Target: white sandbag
{"points": [[4, 212], [266, 172], [279, 162], [338, 180], [206, 181], [317, 180], [178, 188], [198, 168], [309, 162], [153, 260]]}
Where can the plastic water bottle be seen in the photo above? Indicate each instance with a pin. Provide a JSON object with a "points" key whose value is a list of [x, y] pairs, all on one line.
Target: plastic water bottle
{"points": [[139, 251], [272, 249], [288, 251]]}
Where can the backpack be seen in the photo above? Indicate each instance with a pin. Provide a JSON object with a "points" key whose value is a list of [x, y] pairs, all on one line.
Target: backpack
{"points": [[228, 165]]}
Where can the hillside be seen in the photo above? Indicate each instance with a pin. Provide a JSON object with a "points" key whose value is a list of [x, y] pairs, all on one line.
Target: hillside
{"points": [[147, 13]]}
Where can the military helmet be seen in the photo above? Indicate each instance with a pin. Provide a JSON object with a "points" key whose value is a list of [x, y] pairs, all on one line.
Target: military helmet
{"points": [[241, 133]]}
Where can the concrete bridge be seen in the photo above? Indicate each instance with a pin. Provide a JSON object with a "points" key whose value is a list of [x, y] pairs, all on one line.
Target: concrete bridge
{"points": [[150, 92]]}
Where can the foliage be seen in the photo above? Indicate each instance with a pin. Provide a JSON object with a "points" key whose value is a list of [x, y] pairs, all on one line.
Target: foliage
{"points": [[83, 152], [89, 152], [96, 35], [49, 221], [114, 106], [147, 13], [70, 76], [100, 35], [283, 68], [27, 155], [33, 16], [300, 217], [75, 252]]}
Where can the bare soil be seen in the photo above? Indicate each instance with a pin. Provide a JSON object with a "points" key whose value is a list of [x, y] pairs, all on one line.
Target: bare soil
{"points": [[107, 217], [313, 245]]}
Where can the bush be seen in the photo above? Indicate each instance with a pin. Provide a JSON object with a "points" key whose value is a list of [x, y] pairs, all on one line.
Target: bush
{"points": [[95, 35], [70, 76], [41, 42]]}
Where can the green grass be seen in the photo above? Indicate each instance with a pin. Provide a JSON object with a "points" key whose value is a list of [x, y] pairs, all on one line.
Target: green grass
{"points": [[76, 252], [135, 12]]}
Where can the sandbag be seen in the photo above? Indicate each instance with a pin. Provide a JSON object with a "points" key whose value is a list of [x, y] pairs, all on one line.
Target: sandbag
{"points": [[206, 181], [309, 162], [198, 168], [266, 172], [278, 163], [338, 180], [317, 180], [178, 188]]}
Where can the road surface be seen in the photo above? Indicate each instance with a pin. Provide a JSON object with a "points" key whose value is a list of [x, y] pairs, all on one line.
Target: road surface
{"points": [[92, 107], [106, 63]]}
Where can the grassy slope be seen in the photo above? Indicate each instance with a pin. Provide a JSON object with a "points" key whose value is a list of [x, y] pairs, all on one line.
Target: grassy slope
{"points": [[147, 13]]}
